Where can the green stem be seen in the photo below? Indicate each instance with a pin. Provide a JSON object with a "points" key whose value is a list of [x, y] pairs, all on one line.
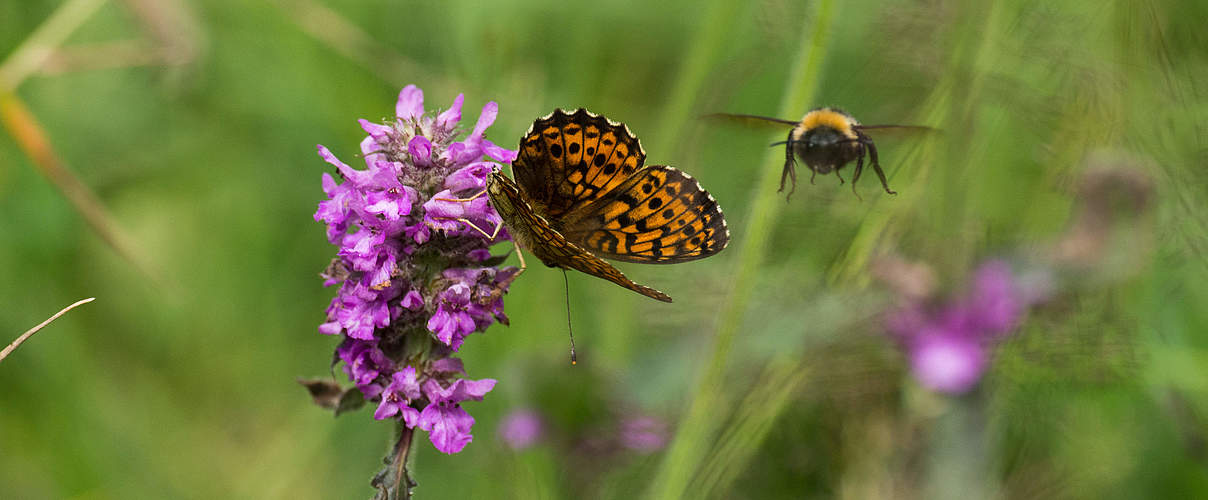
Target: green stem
{"points": [[700, 424]]}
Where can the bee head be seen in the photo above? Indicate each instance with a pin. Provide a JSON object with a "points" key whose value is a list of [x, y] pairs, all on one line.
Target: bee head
{"points": [[822, 137]]}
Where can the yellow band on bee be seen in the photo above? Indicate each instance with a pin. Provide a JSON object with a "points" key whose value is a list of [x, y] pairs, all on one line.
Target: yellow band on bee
{"points": [[827, 117]]}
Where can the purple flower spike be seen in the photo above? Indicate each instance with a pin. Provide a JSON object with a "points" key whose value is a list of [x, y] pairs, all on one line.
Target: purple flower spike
{"points": [[401, 285]]}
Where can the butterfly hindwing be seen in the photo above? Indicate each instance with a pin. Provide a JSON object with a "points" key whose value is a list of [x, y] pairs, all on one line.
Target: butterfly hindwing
{"points": [[658, 215], [534, 232], [567, 160]]}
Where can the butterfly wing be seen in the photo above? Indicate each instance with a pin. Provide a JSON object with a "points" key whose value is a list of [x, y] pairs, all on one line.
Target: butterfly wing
{"points": [[567, 160], [535, 233], [659, 215]]}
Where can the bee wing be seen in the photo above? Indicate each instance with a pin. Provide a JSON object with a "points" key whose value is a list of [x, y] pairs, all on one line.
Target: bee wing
{"points": [[909, 128], [749, 120]]}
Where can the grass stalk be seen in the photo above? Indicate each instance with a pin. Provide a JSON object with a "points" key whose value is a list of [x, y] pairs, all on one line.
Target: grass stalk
{"points": [[700, 423]]}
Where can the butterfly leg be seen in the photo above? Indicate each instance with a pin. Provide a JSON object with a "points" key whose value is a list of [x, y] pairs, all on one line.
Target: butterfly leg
{"points": [[503, 285], [463, 200], [490, 236], [520, 256], [876, 166]]}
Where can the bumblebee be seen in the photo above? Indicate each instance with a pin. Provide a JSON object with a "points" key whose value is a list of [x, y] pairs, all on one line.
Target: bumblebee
{"points": [[826, 139]]}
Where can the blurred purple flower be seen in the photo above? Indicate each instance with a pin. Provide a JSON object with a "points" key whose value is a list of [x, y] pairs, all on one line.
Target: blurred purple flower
{"points": [[521, 429], [947, 363], [400, 319], [949, 345], [643, 434]]}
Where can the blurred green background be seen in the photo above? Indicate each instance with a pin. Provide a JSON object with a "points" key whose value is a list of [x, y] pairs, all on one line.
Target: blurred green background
{"points": [[194, 123]]}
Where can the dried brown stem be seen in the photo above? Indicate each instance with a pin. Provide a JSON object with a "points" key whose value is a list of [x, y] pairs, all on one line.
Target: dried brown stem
{"points": [[33, 140], [30, 333]]}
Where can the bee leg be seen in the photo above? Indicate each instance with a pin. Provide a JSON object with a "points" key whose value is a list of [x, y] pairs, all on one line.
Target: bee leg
{"points": [[840, 176], [876, 166], [855, 176], [790, 169]]}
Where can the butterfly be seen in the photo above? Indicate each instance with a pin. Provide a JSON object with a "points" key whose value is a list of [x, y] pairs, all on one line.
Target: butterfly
{"points": [[826, 139], [582, 191]]}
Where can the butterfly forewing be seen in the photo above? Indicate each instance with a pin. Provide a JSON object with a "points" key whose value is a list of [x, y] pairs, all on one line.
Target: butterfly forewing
{"points": [[569, 159]]}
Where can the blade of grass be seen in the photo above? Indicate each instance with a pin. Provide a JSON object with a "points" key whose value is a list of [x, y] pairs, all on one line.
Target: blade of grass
{"points": [[694, 72], [741, 441], [355, 44], [699, 425], [42, 43]]}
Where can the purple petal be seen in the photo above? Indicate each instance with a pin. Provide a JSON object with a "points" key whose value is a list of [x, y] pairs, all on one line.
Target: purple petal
{"points": [[489, 112], [448, 427], [413, 300], [472, 176], [448, 119], [420, 149], [330, 328], [356, 177], [389, 407], [378, 134], [410, 417], [448, 365], [410, 103], [464, 389], [404, 382], [498, 153]]}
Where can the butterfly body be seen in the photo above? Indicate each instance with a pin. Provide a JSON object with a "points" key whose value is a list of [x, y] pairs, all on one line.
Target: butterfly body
{"points": [[582, 191]]}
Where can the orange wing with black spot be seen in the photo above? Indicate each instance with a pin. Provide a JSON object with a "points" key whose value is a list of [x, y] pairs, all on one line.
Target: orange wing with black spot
{"points": [[567, 160], [533, 231], [658, 215]]}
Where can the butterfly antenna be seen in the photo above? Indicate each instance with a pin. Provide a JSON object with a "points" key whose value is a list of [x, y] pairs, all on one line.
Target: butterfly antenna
{"points": [[569, 328]]}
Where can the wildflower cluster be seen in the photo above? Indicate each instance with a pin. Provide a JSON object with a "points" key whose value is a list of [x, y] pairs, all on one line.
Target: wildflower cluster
{"points": [[414, 282], [949, 343]]}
